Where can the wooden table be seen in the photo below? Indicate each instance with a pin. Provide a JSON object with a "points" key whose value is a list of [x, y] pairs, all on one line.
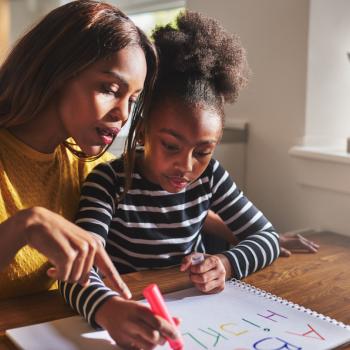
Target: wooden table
{"points": [[319, 281]]}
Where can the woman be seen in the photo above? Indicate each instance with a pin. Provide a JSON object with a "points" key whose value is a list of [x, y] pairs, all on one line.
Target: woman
{"points": [[75, 76]]}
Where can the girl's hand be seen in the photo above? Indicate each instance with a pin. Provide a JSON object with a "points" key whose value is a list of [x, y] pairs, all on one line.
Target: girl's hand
{"points": [[133, 325], [294, 242], [208, 276], [71, 250]]}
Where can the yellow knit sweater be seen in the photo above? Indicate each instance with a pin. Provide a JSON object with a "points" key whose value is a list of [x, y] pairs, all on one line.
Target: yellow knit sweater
{"points": [[29, 178]]}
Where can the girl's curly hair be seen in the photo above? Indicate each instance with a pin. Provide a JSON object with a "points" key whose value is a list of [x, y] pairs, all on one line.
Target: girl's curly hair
{"points": [[200, 62]]}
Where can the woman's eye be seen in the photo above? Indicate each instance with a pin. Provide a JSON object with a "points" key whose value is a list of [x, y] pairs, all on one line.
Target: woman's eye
{"points": [[109, 90]]}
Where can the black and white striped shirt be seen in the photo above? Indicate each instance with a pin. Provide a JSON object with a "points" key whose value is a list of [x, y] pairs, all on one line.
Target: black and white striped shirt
{"points": [[151, 228]]}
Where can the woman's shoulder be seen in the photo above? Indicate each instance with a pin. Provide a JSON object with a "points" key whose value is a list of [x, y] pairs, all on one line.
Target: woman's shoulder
{"points": [[106, 158]]}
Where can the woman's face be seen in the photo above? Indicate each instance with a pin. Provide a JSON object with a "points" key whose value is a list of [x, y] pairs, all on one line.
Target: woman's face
{"points": [[94, 106]]}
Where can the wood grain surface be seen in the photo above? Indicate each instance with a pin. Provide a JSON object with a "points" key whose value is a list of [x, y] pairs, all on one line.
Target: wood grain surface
{"points": [[318, 281]]}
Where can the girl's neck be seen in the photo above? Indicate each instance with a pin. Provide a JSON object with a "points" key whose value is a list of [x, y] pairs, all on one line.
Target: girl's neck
{"points": [[43, 133]]}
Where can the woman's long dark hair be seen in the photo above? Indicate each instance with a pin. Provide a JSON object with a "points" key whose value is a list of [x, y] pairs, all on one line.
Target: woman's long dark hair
{"points": [[65, 42]]}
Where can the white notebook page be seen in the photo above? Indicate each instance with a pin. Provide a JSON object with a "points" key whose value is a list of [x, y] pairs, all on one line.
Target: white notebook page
{"points": [[239, 318]]}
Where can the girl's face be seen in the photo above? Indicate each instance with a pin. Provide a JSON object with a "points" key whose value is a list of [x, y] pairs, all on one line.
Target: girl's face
{"points": [[94, 106], [179, 144]]}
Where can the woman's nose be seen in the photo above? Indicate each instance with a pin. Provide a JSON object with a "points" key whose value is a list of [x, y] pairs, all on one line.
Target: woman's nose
{"points": [[121, 110]]}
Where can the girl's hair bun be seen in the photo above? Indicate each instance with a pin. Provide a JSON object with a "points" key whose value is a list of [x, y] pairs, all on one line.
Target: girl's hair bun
{"points": [[199, 48]]}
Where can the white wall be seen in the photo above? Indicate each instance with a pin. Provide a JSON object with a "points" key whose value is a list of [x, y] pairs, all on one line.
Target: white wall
{"points": [[274, 32], [25, 13]]}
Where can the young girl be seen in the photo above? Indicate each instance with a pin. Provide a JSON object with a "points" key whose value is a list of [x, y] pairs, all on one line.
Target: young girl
{"points": [[157, 223]]}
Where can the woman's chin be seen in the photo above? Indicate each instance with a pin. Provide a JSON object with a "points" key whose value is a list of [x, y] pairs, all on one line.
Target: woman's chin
{"points": [[92, 151]]}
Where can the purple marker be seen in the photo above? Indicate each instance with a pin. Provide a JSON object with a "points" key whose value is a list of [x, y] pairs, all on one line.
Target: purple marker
{"points": [[197, 259]]}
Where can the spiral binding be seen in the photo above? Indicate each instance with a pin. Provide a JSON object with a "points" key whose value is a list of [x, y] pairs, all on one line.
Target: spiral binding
{"points": [[262, 293]]}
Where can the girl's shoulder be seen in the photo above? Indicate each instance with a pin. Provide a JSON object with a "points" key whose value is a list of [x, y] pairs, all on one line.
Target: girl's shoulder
{"points": [[216, 173], [212, 167]]}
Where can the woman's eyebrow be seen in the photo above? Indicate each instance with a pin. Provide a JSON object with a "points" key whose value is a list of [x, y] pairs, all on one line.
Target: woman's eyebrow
{"points": [[121, 80]]}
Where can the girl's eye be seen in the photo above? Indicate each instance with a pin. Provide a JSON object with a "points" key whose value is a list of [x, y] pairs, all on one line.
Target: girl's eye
{"points": [[203, 154], [170, 147]]}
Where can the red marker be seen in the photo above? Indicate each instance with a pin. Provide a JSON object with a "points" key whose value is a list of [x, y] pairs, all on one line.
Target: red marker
{"points": [[156, 301]]}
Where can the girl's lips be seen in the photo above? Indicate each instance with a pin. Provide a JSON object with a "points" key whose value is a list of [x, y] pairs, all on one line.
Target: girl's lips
{"points": [[178, 182]]}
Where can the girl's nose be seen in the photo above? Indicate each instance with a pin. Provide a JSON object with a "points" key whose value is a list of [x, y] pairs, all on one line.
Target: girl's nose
{"points": [[184, 162]]}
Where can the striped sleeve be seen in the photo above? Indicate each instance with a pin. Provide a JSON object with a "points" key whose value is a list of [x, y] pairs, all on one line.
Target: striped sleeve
{"points": [[258, 242], [96, 208], [97, 201], [86, 300]]}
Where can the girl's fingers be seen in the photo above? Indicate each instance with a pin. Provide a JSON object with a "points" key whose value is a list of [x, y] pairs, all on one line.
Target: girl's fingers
{"points": [[285, 252], [167, 330], [213, 286], [211, 263], [309, 245], [186, 263], [150, 336], [160, 330], [295, 243], [207, 276], [141, 343], [177, 321]]}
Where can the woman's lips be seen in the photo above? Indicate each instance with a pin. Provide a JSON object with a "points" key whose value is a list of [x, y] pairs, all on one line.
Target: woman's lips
{"points": [[107, 135]]}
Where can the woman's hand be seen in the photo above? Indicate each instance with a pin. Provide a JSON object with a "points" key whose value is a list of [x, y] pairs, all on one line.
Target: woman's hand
{"points": [[294, 242], [210, 275], [71, 250], [133, 325]]}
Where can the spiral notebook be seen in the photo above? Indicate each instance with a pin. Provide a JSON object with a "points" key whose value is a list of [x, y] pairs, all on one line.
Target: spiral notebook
{"points": [[241, 317]]}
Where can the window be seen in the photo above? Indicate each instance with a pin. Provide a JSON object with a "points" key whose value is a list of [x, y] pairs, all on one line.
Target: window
{"points": [[148, 21], [4, 28], [328, 80]]}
